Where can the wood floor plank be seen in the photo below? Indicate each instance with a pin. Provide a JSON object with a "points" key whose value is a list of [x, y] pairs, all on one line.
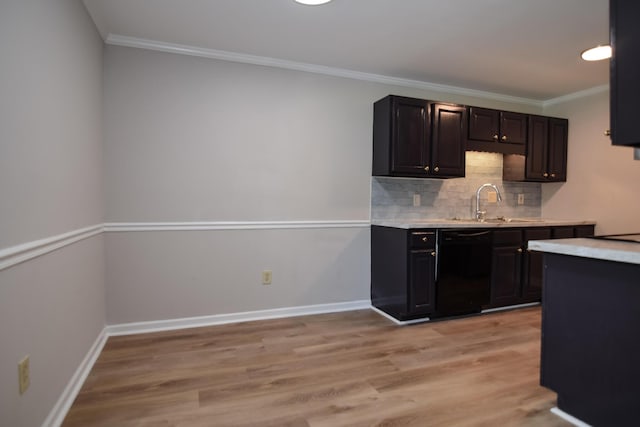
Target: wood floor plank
{"points": [[340, 369]]}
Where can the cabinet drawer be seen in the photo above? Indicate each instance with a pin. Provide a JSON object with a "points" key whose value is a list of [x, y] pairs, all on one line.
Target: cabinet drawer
{"points": [[507, 237], [562, 232], [537, 234], [423, 239], [584, 231]]}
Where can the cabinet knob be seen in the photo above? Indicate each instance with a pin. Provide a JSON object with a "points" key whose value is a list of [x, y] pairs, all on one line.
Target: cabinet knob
{"points": [[495, 137], [424, 239], [504, 137], [436, 169], [545, 175], [433, 253], [607, 132], [519, 250], [426, 168], [553, 175]]}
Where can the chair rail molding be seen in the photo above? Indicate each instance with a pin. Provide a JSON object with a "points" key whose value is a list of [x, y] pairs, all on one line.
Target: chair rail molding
{"points": [[26, 251]]}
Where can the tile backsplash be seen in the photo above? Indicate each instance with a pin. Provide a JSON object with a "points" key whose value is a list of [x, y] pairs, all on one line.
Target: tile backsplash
{"points": [[392, 198]]}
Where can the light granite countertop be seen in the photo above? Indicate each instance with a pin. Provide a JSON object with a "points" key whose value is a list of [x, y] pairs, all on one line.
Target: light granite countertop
{"points": [[469, 223], [607, 250]]}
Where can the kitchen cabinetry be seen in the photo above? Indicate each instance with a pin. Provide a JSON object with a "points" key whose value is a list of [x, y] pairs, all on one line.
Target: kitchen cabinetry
{"points": [[497, 131], [562, 232], [583, 231], [625, 69], [532, 265], [415, 138], [546, 155], [409, 280], [547, 149], [516, 273], [506, 264], [449, 128], [403, 264]]}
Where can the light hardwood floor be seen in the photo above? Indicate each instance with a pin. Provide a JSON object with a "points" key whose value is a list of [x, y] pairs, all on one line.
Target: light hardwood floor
{"points": [[343, 369]]}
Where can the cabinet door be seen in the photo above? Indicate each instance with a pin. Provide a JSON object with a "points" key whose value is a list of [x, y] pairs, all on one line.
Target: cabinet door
{"points": [[410, 136], [505, 275], [537, 153], [557, 161], [513, 128], [625, 69], [421, 281], [449, 124], [484, 124], [533, 266]]}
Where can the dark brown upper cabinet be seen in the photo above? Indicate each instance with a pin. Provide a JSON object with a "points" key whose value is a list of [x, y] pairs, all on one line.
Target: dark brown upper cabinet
{"points": [[414, 138], [497, 131], [625, 69], [546, 155], [449, 127]]}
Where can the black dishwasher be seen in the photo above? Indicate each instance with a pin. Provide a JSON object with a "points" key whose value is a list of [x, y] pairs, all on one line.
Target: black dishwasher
{"points": [[464, 269]]}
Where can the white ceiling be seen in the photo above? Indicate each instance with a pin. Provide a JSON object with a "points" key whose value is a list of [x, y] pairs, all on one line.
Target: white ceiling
{"points": [[521, 48]]}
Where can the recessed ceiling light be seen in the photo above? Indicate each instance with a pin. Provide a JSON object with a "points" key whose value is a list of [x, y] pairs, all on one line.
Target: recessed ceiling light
{"points": [[597, 53], [312, 2]]}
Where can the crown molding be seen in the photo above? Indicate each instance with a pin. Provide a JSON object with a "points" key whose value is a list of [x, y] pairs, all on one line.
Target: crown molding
{"points": [[118, 40], [575, 95]]}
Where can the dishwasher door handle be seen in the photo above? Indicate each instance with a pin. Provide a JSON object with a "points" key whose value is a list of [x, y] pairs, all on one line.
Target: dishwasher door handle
{"points": [[458, 234]]}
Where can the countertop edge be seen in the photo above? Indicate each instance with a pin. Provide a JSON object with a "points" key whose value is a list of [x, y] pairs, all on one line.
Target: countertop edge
{"points": [[448, 223], [626, 252]]}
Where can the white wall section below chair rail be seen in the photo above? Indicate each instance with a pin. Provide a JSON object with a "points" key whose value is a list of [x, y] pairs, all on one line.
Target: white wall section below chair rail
{"points": [[20, 253]]}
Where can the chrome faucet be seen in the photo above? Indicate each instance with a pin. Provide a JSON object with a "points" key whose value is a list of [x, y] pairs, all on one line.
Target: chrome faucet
{"points": [[480, 214]]}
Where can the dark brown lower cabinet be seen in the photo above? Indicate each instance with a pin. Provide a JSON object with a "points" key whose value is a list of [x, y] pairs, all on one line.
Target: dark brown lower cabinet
{"points": [[516, 273], [422, 270], [565, 232], [404, 270], [403, 265], [506, 267], [532, 265]]}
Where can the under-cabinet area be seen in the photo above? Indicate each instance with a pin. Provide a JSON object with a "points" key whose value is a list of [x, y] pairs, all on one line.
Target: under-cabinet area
{"points": [[451, 269]]}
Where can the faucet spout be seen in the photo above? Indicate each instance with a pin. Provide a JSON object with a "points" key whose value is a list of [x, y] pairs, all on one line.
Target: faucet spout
{"points": [[480, 214]]}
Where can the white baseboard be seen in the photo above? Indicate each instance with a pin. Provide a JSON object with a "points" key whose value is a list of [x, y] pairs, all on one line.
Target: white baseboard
{"points": [[60, 409], [569, 418], [221, 319]]}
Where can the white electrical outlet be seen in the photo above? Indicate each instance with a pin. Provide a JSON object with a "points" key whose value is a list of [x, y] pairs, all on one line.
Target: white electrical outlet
{"points": [[266, 277], [521, 199], [416, 199]]}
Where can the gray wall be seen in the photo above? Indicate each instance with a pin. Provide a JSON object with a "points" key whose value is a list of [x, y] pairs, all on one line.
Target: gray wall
{"points": [[51, 307], [601, 179], [194, 139]]}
